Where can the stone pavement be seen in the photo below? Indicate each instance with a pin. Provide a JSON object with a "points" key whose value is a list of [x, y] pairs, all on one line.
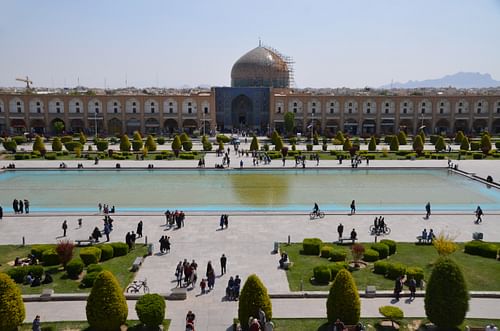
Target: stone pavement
{"points": [[247, 242]]}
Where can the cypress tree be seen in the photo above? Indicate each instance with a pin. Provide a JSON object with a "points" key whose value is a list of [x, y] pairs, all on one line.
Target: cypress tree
{"points": [[289, 119], [446, 297], [176, 145], [340, 137], [486, 143], [347, 145], [279, 144], [343, 300], [125, 143], [459, 136], [464, 144], [38, 144], [184, 137], [418, 145], [12, 311], [57, 145], [372, 145], [151, 143], [402, 138], [254, 145], [83, 138], [137, 136], [274, 137], [106, 305], [440, 145], [422, 135], [394, 144], [253, 296]]}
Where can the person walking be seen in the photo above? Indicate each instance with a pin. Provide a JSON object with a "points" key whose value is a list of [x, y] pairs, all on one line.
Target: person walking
{"points": [[353, 207], [139, 229], [36, 326], [223, 262], [64, 227], [479, 213], [398, 287], [427, 210], [26, 206], [1, 212], [412, 285], [340, 230]]}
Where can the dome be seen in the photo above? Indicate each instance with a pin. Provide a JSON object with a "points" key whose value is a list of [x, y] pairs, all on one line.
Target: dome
{"points": [[261, 67]]}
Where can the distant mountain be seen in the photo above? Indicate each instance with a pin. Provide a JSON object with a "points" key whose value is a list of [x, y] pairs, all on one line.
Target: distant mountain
{"points": [[458, 80]]}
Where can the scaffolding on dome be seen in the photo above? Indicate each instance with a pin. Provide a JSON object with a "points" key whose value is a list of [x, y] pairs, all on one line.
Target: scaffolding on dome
{"points": [[287, 59]]}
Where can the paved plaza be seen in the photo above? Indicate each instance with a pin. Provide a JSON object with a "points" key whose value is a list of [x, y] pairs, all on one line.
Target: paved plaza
{"points": [[248, 244]]}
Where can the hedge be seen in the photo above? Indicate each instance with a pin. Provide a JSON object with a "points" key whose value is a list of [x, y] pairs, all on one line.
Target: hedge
{"points": [[371, 255], [160, 140], [186, 156], [119, 249], [382, 249], [38, 250], [10, 145], [395, 270], [106, 252], [89, 279], [338, 255], [94, 268], [74, 268], [322, 274], [102, 145], [391, 244], [23, 156], [66, 139], [90, 255], [311, 246], [381, 267], [475, 145], [415, 272], [50, 257], [187, 146], [72, 145], [18, 274], [50, 156], [336, 267], [481, 248], [137, 145], [326, 251]]}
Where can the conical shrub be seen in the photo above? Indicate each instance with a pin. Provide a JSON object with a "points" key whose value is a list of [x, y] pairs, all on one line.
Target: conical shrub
{"points": [[343, 300], [12, 312], [253, 296]]}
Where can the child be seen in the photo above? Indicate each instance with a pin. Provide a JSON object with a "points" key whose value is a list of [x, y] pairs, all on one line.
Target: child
{"points": [[203, 286]]}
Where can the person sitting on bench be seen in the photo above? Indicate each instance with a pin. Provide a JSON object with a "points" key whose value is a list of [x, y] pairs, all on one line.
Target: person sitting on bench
{"points": [[424, 235], [284, 258]]}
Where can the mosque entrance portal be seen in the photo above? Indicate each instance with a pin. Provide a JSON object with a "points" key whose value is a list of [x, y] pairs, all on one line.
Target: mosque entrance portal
{"points": [[241, 110]]}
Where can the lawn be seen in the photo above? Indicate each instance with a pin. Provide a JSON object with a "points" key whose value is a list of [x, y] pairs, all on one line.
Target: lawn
{"points": [[119, 266], [481, 274], [84, 326]]}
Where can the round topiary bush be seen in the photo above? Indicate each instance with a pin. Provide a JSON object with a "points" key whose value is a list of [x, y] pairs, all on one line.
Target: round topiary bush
{"points": [[446, 296], [106, 252], [392, 313], [74, 268], [382, 249], [38, 250], [336, 267], [254, 296], [343, 300], [150, 309], [106, 305], [326, 251], [102, 145], [50, 257], [395, 270], [119, 249], [338, 255], [391, 244], [311, 246], [94, 268], [89, 279], [322, 274], [12, 312], [381, 267], [90, 255], [371, 255]]}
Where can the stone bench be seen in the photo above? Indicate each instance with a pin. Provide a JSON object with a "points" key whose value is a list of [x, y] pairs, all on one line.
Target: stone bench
{"points": [[287, 265], [85, 242], [46, 294], [137, 263], [341, 240], [422, 241], [178, 293]]}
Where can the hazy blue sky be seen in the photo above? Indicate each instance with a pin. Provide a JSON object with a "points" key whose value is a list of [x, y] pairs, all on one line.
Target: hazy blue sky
{"points": [[163, 43]]}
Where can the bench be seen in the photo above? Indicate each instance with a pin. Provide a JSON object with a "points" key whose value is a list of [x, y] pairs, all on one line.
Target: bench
{"points": [[137, 263], [287, 265], [422, 241], [85, 242], [341, 240], [46, 294], [178, 293]]}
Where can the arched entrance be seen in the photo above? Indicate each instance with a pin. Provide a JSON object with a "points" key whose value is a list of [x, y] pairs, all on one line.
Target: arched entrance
{"points": [[189, 126], [480, 125], [152, 126], [38, 126], [241, 111], [77, 125], [369, 127], [351, 126], [133, 124], [57, 126], [387, 126], [496, 126], [115, 126], [406, 125], [442, 127], [170, 126], [18, 126], [461, 125], [332, 127]]}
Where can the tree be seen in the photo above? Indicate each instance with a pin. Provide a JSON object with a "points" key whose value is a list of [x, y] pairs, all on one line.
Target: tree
{"points": [[289, 119], [418, 145], [12, 311], [340, 137], [254, 145], [347, 145], [464, 144], [10, 145], [106, 305], [394, 144], [459, 136], [372, 145], [486, 143], [83, 138], [57, 145], [64, 250], [343, 300], [176, 145], [440, 145], [38, 145], [357, 251], [137, 136], [402, 138], [422, 135], [253, 296], [150, 143], [184, 137], [444, 244], [446, 297], [58, 127], [274, 137], [279, 144], [125, 143], [150, 309]]}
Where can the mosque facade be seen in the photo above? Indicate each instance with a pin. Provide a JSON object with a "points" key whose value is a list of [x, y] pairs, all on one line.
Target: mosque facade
{"points": [[259, 97]]}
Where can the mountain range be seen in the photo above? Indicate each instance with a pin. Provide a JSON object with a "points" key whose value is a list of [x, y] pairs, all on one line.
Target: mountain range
{"points": [[458, 80]]}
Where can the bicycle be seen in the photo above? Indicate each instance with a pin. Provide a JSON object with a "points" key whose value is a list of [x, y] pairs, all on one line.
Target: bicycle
{"points": [[137, 285], [316, 214], [385, 231]]}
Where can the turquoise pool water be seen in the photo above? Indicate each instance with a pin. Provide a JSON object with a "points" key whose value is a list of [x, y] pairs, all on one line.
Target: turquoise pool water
{"points": [[245, 190]]}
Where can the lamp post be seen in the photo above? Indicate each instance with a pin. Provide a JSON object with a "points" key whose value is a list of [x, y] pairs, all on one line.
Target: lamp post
{"points": [[95, 121], [312, 126], [203, 123]]}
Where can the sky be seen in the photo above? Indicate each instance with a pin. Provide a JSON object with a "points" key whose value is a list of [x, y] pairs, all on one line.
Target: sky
{"points": [[177, 43]]}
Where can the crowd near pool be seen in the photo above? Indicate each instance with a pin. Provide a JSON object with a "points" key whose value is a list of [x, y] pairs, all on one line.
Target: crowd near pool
{"points": [[245, 190]]}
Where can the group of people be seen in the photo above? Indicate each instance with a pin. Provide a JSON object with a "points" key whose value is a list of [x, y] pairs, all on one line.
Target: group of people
{"points": [[233, 288], [21, 206], [207, 284], [164, 244], [399, 284], [258, 323], [224, 221], [130, 238], [300, 160], [186, 272], [104, 208], [379, 225], [428, 236], [176, 218]]}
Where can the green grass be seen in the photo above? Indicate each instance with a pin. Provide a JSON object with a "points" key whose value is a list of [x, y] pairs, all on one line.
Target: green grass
{"points": [[309, 324], [84, 326], [481, 274], [119, 266]]}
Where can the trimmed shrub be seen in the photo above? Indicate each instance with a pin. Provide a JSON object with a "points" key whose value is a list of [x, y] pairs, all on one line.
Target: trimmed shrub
{"points": [[486, 143], [222, 138], [391, 244], [394, 146], [372, 145], [418, 144], [66, 139], [12, 311], [71, 146], [371, 255], [50, 257], [464, 144], [119, 249], [382, 249], [102, 145], [94, 268], [150, 309], [446, 297], [137, 145], [343, 300], [338, 255], [311, 246], [64, 250], [402, 138], [90, 255], [106, 305], [395, 270], [150, 143], [322, 274], [10, 145], [176, 145], [160, 140], [38, 145], [347, 145], [74, 268], [18, 274], [439, 145], [38, 250], [336, 267], [50, 156], [254, 296], [415, 272], [186, 156], [125, 143], [254, 145], [459, 137], [326, 251], [477, 247], [24, 156], [474, 145], [391, 312], [380, 267], [184, 137], [89, 279], [106, 252], [187, 145]]}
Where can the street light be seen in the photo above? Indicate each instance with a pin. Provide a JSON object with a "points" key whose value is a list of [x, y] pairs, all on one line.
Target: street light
{"points": [[203, 123], [95, 121]]}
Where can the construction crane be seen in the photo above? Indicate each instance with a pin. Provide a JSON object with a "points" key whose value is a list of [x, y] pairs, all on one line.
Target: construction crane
{"points": [[26, 80]]}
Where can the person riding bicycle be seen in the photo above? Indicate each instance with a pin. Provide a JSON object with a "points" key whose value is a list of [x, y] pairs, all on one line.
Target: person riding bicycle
{"points": [[381, 224], [316, 209]]}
